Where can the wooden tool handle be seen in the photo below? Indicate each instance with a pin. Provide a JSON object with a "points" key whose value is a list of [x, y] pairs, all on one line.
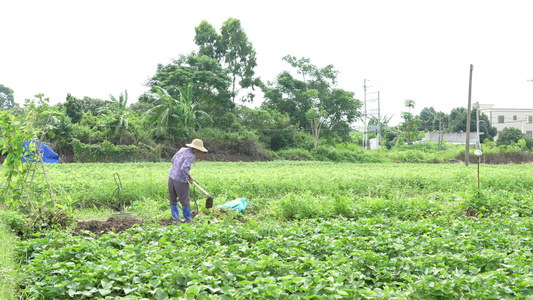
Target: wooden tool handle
{"points": [[201, 189]]}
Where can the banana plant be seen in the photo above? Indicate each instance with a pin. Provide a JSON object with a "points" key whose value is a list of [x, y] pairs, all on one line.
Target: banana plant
{"points": [[119, 113], [172, 114], [165, 112], [188, 109]]}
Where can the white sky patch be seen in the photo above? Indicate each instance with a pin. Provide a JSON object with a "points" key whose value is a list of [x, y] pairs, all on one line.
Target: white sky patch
{"points": [[419, 50]]}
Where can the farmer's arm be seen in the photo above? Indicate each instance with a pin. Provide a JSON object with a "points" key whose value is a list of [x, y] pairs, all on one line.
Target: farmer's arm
{"points": [[186, 167]]}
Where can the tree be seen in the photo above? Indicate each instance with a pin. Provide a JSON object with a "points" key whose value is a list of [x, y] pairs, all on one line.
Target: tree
{"points": [[292, 96], [457, 123], [510, 135], [273, 128], [383, 125], [74, 108], [233, 50], [61, 133], [458, 120], [207, 39], [410, 127], [430, 119], [210, 83], [41, 111], [7, 101], [93, 105], [288, 95], [315, 116]]}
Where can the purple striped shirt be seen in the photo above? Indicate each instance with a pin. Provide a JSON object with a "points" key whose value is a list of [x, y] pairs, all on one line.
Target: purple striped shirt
{"points": [[181, 165]]}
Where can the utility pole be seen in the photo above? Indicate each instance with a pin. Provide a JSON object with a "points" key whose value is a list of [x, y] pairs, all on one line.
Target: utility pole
{"points": [[440, 133], [379, 124], [468, 116], [364, 120]]}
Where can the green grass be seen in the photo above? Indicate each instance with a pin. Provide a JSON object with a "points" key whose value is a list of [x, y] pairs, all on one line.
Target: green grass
{"points": [[93, 184], [312, 229], [145, 209], [8, 282]]}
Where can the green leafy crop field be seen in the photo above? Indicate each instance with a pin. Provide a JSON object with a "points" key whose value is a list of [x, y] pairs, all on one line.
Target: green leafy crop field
{"points": [[93, 184], [312, 231]]}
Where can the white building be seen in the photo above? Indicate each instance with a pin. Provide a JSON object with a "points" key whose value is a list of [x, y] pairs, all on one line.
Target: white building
{"points": [[521, 118]]}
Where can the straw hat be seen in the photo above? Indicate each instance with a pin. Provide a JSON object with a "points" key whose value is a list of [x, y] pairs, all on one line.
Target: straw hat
{"points": [[197, 144]]}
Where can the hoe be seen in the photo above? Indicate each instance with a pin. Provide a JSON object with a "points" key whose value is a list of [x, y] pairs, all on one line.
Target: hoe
{"points": [[209, 200]]}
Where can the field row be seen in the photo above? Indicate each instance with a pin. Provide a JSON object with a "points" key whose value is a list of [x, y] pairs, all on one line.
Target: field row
{"points": [[371, 258], [93, 184]]}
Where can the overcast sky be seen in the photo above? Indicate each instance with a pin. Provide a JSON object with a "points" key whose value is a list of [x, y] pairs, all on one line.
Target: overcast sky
{"points": [[419, 50]]}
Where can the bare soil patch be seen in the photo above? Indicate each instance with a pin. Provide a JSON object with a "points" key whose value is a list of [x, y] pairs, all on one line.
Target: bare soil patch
{"points": [[113, 224]]}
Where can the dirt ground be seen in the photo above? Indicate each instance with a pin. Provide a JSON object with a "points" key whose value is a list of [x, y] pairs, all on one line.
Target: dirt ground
{"points": [[113, 224]]}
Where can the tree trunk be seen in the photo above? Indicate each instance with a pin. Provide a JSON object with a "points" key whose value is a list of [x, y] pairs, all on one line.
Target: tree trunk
{"points": [[233, 92]]}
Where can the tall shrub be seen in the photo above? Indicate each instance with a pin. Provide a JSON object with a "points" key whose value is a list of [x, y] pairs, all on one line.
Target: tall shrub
{"points": [[14, 173]]}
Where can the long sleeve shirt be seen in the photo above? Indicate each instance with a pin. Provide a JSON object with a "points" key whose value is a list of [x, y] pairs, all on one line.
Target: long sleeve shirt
{"points": [[181, 165]]}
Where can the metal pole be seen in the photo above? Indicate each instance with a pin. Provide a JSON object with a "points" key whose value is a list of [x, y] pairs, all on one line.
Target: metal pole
{"points": [[365, 128], [468, 116], [379, 124], [477, 127], [478, 185], [440, 133]]}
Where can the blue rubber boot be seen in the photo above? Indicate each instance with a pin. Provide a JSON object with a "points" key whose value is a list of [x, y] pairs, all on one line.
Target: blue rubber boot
{"points": [[187, 213], [175, 212]]}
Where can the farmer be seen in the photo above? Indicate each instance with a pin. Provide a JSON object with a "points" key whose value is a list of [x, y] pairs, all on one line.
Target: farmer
{"points": [[179, 179]]}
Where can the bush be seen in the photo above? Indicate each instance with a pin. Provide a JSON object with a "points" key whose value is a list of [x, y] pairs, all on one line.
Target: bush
{"points": [[499, 155], [510, 136], [15, 222], [234, 143], [294, 154], [303, 140], [47, 219], [414, 156], [303, 207], [344, 154], [307, 206], [87, 135], [107, 152], [428, 147], [44, 219], [478, 203]]}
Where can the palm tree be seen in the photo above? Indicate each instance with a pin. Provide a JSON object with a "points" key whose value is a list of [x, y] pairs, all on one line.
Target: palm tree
{"points": [[408, 117]]}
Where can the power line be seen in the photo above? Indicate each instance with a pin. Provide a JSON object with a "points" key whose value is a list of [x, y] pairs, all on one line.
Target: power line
{"points": [[184, 128]]}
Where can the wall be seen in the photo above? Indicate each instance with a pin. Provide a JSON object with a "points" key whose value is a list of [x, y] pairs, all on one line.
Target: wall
{"points": [[451, 137]]}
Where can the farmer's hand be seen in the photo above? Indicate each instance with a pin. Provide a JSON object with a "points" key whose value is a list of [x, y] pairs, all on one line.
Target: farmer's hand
{"points": [[191, 180]]}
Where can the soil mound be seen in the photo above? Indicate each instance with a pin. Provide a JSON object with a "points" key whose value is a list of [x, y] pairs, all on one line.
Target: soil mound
{"points": [[113, 224]]}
